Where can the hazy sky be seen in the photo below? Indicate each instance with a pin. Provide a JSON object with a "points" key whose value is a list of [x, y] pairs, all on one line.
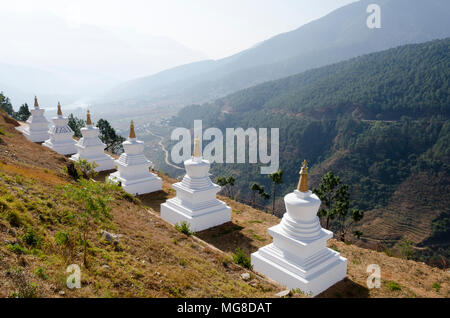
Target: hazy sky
{"points": [[217, 28]]}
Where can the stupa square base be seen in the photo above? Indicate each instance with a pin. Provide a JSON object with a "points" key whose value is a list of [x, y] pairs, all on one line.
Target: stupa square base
{"points": [[312, 277], [198, 220], [34, 136], [62, 149], [145, 185], [104, 163], [302, 247]]}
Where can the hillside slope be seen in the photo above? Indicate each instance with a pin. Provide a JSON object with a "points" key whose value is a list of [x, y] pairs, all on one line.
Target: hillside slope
{"points": [[248, 231], [340, 35], [152, 259]]}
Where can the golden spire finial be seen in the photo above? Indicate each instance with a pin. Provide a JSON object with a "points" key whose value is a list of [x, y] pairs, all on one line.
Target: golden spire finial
{"points": [[132, 133], [197, 152], [36, 104], [303, 182], [59, 110], [88, 119]]}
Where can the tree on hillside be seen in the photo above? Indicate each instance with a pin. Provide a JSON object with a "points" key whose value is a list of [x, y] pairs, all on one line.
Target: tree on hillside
{"points": [[92, 199], [256, 188], [230, 182], [5, 104], [227, 184], [109, 136], [277, 178], [23, 114], [335, 197], [264, 195], [76, 124]]}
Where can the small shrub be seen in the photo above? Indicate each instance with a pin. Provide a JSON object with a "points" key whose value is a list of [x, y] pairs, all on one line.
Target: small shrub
{"points": [[242, 259], [86, 168], [258, 237], [393, 286], [182, 262], [436, 287], [129, 197], [31, 238], [298, 291], [225, 262], [40, 272], [334, 247], [19, 179], [13, 218], [184, 228], [406, 249], [388, 252], [16, 248]]}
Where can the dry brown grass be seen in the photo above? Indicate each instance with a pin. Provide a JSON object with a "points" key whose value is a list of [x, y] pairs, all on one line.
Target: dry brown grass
{"points": [[38, 174], [416, 279], [151, 260]]}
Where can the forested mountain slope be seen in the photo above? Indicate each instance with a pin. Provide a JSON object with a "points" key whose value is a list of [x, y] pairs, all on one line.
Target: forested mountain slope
{"points": [[380, 121]]}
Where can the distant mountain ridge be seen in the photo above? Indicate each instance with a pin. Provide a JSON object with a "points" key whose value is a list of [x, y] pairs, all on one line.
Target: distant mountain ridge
{"points": [[380, 121], [340, 35]]}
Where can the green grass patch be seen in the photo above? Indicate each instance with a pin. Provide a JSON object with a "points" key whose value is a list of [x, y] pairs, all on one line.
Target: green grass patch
{"points": [[17, 248], [14, 218], [242, 259], [31, 238], [184, 228], [393, 286], [259, 238], [334, 247], [41, 273], [436, 287]]}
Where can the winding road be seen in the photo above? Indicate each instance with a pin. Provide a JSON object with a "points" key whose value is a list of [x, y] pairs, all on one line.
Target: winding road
{"points": [[166, 152]]}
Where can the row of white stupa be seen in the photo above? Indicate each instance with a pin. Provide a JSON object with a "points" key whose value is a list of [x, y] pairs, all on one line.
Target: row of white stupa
{"points": [[298, 256], [133, 167]]}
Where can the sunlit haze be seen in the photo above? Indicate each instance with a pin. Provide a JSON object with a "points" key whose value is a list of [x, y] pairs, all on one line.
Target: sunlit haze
{"points": [[85, 47]]}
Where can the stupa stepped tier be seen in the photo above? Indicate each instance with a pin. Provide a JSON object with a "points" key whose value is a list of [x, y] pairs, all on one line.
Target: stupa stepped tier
{"points": [[61, 135], [91, 148], [36, 129], [298, 256], [133, 168], [196, 202]]}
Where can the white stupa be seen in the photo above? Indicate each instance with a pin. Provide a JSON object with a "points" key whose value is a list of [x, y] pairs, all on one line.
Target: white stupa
{"points": [[61, 135], [298, 256], [133, 166], [37, 128], [91, 148], [196, 201]]}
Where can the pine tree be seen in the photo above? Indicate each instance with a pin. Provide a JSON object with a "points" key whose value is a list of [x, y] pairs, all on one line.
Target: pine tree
{"points": [[5, 104], [109, 136], [277, 178], [23, 114]]}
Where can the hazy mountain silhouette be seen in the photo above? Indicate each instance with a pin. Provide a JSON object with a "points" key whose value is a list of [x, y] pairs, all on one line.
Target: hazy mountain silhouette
{"points": [[43, 54]]}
